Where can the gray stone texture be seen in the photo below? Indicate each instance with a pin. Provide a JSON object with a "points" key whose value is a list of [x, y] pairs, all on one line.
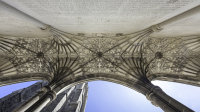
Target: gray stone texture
{"points": [[19, 97]]}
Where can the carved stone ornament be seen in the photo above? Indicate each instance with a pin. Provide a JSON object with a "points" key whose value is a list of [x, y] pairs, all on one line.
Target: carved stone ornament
{"points": [[137, 56]]}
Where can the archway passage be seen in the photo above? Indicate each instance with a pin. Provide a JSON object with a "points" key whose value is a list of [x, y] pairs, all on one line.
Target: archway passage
{"points": [[106, 96], [63, 61], [132, 59]]}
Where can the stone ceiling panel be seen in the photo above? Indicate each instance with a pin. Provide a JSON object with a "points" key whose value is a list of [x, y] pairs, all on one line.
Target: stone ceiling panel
{"points": [[183, 27], [15, 23], [99, 16]]}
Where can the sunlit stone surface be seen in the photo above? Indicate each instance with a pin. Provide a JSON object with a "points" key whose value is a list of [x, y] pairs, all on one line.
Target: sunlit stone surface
{"points": [[130, 42]]}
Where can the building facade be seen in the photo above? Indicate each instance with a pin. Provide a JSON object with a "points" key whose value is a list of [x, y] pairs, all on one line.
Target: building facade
{"points": [[70, 100]]}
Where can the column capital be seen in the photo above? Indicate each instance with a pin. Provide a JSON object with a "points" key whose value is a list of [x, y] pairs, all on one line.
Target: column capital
{"points": [[157, 100], [44, 90], [149, 97], [151, 94], [155, 88], [51, 94]]}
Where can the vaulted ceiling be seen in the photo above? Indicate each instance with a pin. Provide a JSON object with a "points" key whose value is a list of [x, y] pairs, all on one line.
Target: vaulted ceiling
{"points": [[130, 42]]}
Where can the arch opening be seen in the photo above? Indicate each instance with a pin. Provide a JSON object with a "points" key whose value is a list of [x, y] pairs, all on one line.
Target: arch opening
{"points": [[186, 94], [104, 96]]}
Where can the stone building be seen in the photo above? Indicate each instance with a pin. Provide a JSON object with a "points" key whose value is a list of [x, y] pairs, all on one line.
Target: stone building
{"points": [[70, 100], [129, 42]]}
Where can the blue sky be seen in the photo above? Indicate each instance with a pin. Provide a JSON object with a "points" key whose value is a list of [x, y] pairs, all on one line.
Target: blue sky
{"points": [[5, 90], [110, 97]]}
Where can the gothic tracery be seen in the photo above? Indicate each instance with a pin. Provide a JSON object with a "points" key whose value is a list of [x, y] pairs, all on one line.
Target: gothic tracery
{"points": [[134, 60]]}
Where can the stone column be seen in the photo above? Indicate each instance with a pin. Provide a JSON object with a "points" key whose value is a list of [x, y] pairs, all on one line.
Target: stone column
{"points": [[33, 100], [165, 102], [42, 102]]}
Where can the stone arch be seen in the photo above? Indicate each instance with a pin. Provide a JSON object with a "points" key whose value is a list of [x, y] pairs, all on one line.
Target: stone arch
{"points": [[191, 80], [153, 93], [137, 85]]}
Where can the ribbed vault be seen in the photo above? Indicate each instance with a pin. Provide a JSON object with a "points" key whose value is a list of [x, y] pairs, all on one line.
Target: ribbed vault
{"points": [[134, 60]]}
